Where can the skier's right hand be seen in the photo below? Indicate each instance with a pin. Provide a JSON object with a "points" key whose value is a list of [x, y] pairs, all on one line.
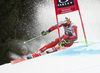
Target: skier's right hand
{"points": [[44, 33]]}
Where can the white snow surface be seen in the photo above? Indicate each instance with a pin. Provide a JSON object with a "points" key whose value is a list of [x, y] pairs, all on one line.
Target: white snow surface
{"points": [[71, 60]]}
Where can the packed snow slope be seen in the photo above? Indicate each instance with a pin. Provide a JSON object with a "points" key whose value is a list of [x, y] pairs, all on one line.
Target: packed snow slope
{"points": [[79, 59]]}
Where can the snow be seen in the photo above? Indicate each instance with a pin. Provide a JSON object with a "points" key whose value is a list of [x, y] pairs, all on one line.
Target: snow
{"points": [[71, 60]]}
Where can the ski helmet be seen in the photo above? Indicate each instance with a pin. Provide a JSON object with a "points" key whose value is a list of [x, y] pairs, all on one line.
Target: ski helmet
{"points": [[67, 22]]}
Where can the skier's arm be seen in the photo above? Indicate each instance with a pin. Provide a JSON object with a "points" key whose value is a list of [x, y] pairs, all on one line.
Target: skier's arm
{"points": [[54, 27], [50, 29], [74, 34]]}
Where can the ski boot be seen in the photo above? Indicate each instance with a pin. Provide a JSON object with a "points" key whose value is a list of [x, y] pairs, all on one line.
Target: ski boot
{"points": [[54, 49]]}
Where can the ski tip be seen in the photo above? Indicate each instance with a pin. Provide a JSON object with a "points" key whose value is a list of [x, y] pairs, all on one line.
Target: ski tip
{"points": [[18, 60]]}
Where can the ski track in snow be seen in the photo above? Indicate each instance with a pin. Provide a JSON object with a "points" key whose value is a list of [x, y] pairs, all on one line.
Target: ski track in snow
{"points": [[79, 59]]}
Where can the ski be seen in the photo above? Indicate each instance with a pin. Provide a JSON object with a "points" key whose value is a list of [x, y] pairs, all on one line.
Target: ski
{"points": [[23, 59], [26, 58], [18, 60]]}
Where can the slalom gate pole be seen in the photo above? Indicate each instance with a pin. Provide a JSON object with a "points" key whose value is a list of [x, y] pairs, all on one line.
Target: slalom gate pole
{"points": [[83, 27], [58, 32], [55, 4], [32, 39]]}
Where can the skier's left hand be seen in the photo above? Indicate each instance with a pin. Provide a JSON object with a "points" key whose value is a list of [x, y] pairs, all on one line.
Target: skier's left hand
{"points": [[64, 42]]}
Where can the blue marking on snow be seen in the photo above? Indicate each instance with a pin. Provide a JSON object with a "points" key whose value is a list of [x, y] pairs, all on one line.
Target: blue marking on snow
{"points": [[93, 48]]}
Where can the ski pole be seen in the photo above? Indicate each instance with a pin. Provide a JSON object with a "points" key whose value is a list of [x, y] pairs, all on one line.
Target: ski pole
{"points": [[32, 39], [79, 42], [83, 42]]}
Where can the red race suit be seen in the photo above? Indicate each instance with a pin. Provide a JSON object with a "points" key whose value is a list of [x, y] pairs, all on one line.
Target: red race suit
{"points": [[70, 35]]}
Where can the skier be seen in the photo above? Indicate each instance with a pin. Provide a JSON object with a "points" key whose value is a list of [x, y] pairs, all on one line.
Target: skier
{"points": [[66, 40]]}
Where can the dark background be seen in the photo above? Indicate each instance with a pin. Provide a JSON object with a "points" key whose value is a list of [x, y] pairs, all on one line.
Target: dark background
{"points": [[15, 22]]}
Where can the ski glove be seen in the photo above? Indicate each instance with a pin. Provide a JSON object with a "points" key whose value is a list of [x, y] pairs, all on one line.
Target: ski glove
{"points": [[44, 33], [29, 57], [64, 42]]}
